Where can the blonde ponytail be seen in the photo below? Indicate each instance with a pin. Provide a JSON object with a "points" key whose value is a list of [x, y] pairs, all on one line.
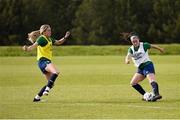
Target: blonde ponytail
{"points": [[32, 36], [127, 35]]}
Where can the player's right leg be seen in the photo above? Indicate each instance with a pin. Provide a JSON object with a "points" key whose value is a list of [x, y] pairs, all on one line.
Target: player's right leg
{"points": [[134, 83], [37, 98], [47, 76], [42, 65]]}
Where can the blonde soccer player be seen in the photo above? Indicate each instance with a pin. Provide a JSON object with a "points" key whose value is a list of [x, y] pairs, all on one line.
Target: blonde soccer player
{"points": [[43, 41], [145, 68]]}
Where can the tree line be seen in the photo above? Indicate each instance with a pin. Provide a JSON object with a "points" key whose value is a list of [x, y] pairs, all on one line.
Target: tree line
{"points": [[91, 22]]}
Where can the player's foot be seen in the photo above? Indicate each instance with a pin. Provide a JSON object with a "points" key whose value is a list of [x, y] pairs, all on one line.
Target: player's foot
{"points": [[146, 100], [36, 100], [46, 92], [156, 97]]}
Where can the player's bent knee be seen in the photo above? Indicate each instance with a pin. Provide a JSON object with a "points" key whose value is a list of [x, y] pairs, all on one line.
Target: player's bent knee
{"points": [[57, 73], [133, 83]]}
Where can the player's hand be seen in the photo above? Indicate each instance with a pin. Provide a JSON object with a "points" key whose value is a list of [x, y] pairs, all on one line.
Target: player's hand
{"points": [[127, 61], [25, 47], [161, 50], [67, 34]]}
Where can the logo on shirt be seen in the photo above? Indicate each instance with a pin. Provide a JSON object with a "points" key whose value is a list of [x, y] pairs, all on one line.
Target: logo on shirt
{"points": [[138, 55]]}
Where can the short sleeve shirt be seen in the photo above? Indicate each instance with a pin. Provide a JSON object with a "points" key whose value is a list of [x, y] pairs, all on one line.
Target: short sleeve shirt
{"points": [[43, 42]]}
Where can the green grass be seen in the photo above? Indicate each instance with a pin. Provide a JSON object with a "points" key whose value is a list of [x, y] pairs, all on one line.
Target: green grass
{"points": [[89, 87], [170, 49]]}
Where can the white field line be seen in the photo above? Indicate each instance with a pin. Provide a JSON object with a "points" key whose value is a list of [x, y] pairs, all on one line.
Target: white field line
{"points": [[152, 107]]}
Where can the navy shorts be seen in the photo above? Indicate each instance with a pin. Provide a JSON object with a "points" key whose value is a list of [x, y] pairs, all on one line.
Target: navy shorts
{"points": [[147, 69], [42, 63]]}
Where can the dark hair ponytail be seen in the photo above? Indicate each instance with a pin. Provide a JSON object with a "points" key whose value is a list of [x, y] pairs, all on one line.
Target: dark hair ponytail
{"points": [[127, 35]]}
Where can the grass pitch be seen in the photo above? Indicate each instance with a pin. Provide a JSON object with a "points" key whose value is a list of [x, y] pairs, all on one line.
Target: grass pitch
{"points": [[89, 87]]}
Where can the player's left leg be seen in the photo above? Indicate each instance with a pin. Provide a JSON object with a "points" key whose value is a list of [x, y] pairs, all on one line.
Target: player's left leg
{"points": [[37, 98], [155, 87], [149, 72], [43, 91], [51, 78]]}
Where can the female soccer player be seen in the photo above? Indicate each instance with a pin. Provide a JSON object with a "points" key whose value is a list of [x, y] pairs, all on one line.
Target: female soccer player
{"points": [[43, 41], [139, 54]]}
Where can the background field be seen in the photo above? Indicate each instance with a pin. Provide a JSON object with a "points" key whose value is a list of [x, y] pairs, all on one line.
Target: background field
{"points": [[89, 87], [170, 49]]}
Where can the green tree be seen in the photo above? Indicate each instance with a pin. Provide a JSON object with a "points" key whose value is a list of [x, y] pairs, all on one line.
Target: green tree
{"points": [[22, 16], [91, 21], [10, 21], [94, 23], [166, 14]]}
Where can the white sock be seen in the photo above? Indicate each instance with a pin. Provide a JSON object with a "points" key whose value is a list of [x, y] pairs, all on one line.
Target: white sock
{"points": [[47, 89], [37, 97]]}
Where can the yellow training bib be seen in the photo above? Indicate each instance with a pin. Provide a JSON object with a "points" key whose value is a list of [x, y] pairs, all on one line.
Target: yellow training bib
{"points": [[45, 51]]}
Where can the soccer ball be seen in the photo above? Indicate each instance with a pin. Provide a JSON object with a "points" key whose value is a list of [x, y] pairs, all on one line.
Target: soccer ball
{"points": [[148, 96]]}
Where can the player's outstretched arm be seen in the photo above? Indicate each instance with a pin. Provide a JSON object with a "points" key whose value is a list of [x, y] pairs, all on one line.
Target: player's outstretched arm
{"points": [[158, 48], [62, 40], [29, 48]]}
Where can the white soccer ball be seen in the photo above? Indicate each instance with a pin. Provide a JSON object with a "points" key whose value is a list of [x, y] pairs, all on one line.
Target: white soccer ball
{"points": [[148, 96]]}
